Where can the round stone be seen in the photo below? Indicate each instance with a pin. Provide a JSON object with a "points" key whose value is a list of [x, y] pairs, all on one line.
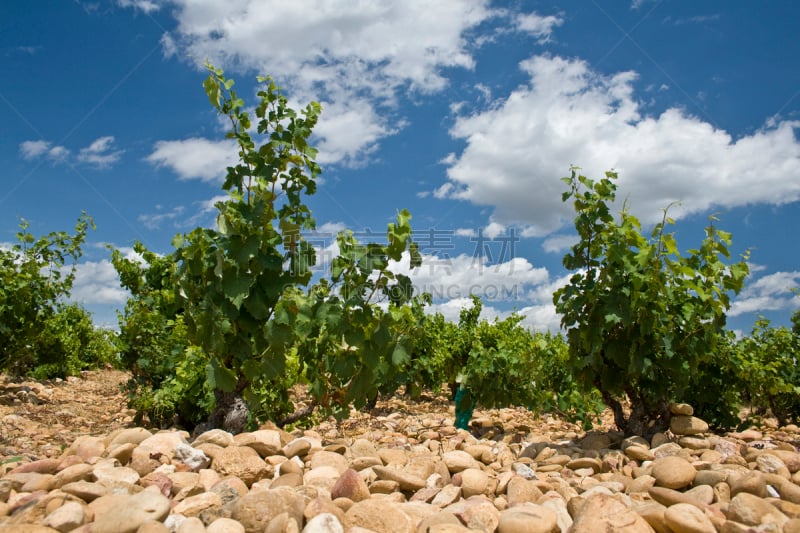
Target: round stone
{"points": [[686, 518], [673, 472]]}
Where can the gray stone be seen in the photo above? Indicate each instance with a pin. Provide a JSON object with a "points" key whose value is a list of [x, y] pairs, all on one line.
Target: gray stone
{"points": [[192, 457]]}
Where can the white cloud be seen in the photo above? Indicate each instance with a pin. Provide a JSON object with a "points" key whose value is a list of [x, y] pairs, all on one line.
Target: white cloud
{"points": [[100, 153], [516, 283], [30, 50], [537, 25], [494, 230], [465, 232], [331, 228], [636, 4], [196, 158], [512, 283], [34, 149], [96, 282], [557, 244], [147, 6], [542, 317], [518, 148], [357, 59], [58, 153], [154, 220], [349, 131], [771, 292]]}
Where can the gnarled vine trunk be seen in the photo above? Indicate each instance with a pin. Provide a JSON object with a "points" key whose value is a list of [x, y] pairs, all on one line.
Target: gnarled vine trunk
{"points": [[644, 419], [231, 411]]}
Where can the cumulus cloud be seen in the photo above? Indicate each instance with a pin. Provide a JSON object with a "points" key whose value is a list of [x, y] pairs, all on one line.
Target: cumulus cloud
{"points": [[349, 132], [537, 25], [494, 230], [96, 282], [501, 285], [558, 244], [357, 61], [331, 228], [30, 150], [154, 220], [518, 148], [146, 6], [196, 158], [100, 153], [771, 292]]}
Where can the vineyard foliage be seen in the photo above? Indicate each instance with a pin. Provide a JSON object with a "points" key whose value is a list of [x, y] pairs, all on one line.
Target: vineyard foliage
{"points": [[232, 317], [640, 316], [222, 330], [41, 333], [167, 380]]}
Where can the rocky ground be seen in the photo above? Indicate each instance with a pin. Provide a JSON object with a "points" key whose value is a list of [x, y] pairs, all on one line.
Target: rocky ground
{"points": [[71, 460]]}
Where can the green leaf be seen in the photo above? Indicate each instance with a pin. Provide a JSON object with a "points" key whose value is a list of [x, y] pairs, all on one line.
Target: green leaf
{"points": [[400, 356], [236, 288], [221, 377], [212, 90]]}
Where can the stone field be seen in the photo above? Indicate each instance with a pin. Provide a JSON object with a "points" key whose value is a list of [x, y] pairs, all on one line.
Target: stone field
{"points": [[71, 460]]}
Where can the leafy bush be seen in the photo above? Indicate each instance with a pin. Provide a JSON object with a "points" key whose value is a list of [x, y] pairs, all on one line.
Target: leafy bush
{"points": [[766, 362], [167, 373], [716, 390], [640, 317], [556, 389], [498, 363], [68, 343], [349, 348], [41, 333], [757, 373]]}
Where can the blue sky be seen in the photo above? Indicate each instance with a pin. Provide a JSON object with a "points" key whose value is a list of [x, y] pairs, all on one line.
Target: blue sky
{"points": [[465, 112]]}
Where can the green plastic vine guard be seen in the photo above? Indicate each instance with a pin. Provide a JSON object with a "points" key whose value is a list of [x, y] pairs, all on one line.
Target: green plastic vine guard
{"points": [[465, 405]]}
